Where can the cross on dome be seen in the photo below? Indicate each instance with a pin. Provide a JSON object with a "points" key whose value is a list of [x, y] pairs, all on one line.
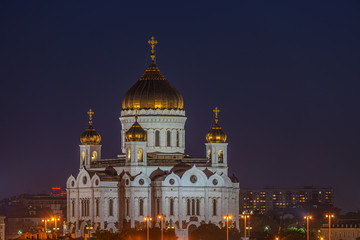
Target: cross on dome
{"points": [[216, 111], [152, 43], [90, 113]]}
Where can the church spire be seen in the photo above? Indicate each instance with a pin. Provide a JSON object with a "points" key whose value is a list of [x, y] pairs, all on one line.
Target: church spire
{"points": [[152, 43]]}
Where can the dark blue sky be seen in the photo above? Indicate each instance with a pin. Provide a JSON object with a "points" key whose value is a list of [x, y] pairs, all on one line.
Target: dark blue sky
{"points": [[285, 75]]}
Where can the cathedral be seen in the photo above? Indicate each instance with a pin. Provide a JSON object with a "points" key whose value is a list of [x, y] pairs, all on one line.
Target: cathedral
{"points": [[153, 175]]}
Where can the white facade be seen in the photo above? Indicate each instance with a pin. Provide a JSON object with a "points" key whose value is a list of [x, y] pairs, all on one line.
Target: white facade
{"points": [[152, 177]]}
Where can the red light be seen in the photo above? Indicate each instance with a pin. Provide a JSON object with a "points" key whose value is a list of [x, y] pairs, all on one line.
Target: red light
{"points": [[56, 188]]}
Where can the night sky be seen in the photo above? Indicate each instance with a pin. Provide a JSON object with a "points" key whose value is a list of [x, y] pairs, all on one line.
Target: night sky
{"points": [[285, 75]]}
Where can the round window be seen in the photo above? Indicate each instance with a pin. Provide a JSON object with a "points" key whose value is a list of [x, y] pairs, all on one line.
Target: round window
{"points": [[72, 183], [193, 179], [127, 182], [84, 180], [141, 181], [96, 182], [215, 181], [171, 181]]}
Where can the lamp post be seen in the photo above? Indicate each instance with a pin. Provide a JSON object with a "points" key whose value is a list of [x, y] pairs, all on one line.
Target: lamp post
{"points": [[89, 228], [227, 218], [161, 217], [307, 226], [55, 220], [45, 221], [147, 219], [329, 216], [245, 216]]}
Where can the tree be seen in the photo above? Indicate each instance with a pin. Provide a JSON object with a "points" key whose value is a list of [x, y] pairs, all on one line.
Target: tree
{"points": [[134, 234], [212, 232]]}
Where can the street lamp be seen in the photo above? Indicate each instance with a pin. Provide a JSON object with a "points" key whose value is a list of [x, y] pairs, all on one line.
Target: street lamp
{"points": [[161, 217], [245, 216], [55, 220], [45, 221], [329, 216], [89, 228], [307, 226], [227, 218], [147, 219]]}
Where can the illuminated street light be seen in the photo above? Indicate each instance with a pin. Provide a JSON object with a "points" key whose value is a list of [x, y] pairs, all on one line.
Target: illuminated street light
{"points": [[245, 216], [147, 219], [89, 228], [329, 216], [227, 218], [45, 221], [307, 226], [161, 217], [55, 219]]}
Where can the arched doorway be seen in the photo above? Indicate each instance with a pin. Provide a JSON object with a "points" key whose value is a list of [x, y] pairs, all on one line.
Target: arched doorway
{"points": [[191, 228]]}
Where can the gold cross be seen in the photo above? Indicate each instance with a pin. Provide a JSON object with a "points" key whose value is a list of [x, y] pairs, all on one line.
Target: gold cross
{"points": [[90, 113], [152, 43], [136, 115], [216, 111]]}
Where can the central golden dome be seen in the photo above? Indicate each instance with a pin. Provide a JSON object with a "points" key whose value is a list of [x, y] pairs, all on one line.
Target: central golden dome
{"points": [[152, 91]]}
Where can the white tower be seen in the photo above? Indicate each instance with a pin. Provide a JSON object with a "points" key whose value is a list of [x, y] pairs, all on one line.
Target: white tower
{"points": [[216, 146], [90, 150], [135, 145]]}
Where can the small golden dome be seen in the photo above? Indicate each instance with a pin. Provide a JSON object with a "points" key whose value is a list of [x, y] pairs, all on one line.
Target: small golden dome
{"points": [[152, 90], [90, 136], [136, 133], [216, 134]]}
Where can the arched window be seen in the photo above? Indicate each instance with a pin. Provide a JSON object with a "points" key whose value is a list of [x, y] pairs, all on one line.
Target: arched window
{"points": [[111, 207], [157, 138], [140, 155], [82, 208], [214, 207], [177, 139], [128, 154], [141, 207], [193, 207], [188, 207], [198, 207], [97, 207], [158, 206], [171, 207], [127, 207], [73, 208], [168, 138], [221, 156], [209, 154]]}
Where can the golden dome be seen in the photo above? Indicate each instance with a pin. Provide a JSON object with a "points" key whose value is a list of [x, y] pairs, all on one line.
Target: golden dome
{"points": [[90, 136], [216, 134], [136, 133], [152, 90]]}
